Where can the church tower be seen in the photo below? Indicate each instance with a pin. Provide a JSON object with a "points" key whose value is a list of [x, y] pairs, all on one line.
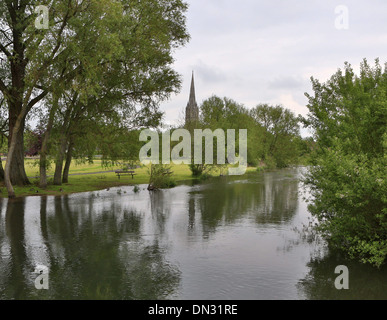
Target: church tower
{"points": [[192, 109]]}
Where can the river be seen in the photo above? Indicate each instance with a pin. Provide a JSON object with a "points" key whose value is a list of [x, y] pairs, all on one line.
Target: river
{"points": [[225, 238]]}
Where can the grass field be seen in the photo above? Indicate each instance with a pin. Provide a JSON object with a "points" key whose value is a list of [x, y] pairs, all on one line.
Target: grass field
{"points": [[84, 180]]}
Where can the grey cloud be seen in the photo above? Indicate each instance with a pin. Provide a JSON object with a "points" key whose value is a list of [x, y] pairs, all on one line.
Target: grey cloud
{"points": [[208, 73], [257, 50], [287, 82]]}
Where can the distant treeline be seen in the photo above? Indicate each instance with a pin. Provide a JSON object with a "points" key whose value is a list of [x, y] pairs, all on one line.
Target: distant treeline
{"points": [[273, 132]]}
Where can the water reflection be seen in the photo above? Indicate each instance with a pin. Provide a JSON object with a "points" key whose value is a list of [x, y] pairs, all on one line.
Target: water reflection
{"points": [[268, 199], [227, 238], [365, 282], [16, 254], [92, 248]]}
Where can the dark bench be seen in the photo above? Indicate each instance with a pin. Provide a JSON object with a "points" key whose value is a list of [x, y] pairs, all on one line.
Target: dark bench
{"points": [[120, 173]]}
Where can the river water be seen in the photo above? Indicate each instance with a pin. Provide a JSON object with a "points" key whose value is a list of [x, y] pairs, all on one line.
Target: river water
{"points": [[226, 238]]}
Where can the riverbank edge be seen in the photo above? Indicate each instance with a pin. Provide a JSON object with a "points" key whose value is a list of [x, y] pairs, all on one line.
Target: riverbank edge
{"points": [[98, 185]]}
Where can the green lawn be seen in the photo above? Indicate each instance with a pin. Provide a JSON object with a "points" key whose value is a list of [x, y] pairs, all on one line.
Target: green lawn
{"points": [[90, 182]]}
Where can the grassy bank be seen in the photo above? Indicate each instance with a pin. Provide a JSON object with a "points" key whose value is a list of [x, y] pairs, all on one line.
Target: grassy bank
{"points": [[83, 178]]}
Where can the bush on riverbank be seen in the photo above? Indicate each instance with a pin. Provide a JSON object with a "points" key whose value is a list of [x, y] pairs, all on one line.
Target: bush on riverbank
{"points": [[349, 173], [350, 203], [161, 177]]}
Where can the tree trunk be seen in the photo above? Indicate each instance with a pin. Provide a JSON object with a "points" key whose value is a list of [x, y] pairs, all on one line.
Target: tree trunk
{"points": [[62, 148], [59, 161], [43, 150], [42, 168], [13, 157], [1, 171], [16, 112], [17, 172], [69, 156]]}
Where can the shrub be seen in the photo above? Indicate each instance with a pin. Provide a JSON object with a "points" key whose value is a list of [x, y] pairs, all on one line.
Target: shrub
{"points": [[160, 177], [348, 180]]}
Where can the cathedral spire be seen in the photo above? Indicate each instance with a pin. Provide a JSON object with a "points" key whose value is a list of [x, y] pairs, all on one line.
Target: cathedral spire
{"points": [[192, 110], [192, 98]]}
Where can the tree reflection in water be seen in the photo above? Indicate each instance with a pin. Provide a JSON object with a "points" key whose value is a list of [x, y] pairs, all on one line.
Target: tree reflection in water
{"points": [[365, 281], [226, 238], [268, 199], [93, 249]]}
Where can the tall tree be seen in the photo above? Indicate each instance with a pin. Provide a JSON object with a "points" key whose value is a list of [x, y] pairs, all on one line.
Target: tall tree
{"points": [[281, 127], [225, 113], [138, 37], [27, 54]]}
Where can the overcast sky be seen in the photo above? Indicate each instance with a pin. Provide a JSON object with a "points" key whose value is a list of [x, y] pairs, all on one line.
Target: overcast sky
{"points": [[265, 51]]}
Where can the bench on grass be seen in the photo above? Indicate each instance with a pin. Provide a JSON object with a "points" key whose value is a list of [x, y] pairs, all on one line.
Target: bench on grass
{"points": [[120, 173]]}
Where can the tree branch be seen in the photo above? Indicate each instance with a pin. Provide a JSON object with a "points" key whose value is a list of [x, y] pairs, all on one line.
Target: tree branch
{"points": [[3, 88], [4, 49], [5, 35], [36, 100]]}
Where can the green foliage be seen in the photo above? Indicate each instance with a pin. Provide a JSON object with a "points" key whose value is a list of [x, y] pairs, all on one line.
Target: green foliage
{"points": [[348, 179], [136, 189], [270, 162], [196, 169], [260, 169], [102, 66], [279, 136], [225, 113], [160, 177], [273, 131], [305, 147], [202, 170]]}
